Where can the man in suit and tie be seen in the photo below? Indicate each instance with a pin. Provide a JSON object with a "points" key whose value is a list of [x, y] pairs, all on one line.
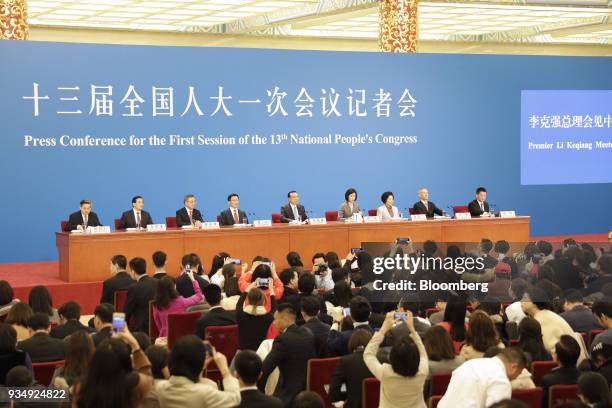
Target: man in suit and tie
{"points": [[233, 215], [248, 369], [216, 315], [139, 295], [83, 218], [293, 210], [424, 206], [310, 307], [189, 215], [136, 217], [291, 350], [121, 280], [479, 206], [41, 347]]}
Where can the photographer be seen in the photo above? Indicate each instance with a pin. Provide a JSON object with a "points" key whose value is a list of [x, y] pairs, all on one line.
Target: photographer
{"points": [[323, 276]]}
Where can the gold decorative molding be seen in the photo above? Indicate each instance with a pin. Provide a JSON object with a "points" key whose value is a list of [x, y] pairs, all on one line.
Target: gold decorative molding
{"points": [[398, 26], [13, 20]]}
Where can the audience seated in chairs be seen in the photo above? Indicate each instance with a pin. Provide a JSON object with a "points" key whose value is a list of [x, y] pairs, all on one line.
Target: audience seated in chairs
{"points": [[566, 355], [248, 369], [103, 322], [79, 350], [360, 310], [216, 315], [69, 313], [10, 355], [42, 347], [18, 317], [40, 301]]}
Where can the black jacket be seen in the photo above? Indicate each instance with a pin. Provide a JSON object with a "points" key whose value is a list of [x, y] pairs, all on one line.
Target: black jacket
{"points": [[64, 330], [76, 219], [257, 399], [227, 218], [419, 208], [287, 213], [214, 317], [351, 370], [104, 334], [474, 208], [184, 286], [120, 281], [41, 347], [581, 319], [290, 352], [558, 376], [252, 330], [182, 217], [320, 332], [128, 220], [137, 303]]}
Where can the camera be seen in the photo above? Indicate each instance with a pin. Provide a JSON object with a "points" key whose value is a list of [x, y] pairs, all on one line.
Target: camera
{"points": [[320, 268]]}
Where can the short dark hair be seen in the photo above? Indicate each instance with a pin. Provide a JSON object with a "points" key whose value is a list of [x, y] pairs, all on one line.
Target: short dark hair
{"points": [[602, 308], [360, 309], [567, 350], [120, 261], [286, 275], [8, 338], [138, 266], [294, 259], [319, 255], [105, 311], [143, 339], [248, 366], [212, 294], [6, 292], [594, 388], [573, 296], [19, 376], [514, 355], [539, 297], [308, 399], [159, 358], [486, 244], [187, 357], [481, 190], [518, 287], [262, 271], [339, 274], [385, 196], [430, 247], [192, 260], [70, 310], [286, 307], [38, 321], [291, 192], [229, 197], [306, 283], [502, 246], [310, 305], [135, 198], [159, 259], [405, 357], [545, 247], [19, 314], [84, 202], [348, 192], [605, 263]]}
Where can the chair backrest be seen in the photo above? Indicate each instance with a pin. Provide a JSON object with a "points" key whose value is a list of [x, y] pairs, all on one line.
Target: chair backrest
{"points": [[181, 324], [431, 311], [410, 210], [63, 224], [43, 372], [540, 368], [439, 383], [372, 213], [117, 224], [331, 216], [276, 218], [219, 218], [592, 335], [514, 342], [224, 339], [153, 329], [370, 393], [319, 373], [460, 209], [170, 222], [532, 397], [559, 394], [120, 297], [434, 401]]}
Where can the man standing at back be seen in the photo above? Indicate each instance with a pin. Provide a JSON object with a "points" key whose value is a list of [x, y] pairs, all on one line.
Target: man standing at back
{"points": [[139, 295], [120, 280]]}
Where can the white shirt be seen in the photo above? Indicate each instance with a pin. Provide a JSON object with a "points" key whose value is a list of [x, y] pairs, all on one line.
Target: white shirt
{"points": [[136, 212], [296, 213], [235, 211], [477, 383], [481, 204], [515, 312], [85, 218]]}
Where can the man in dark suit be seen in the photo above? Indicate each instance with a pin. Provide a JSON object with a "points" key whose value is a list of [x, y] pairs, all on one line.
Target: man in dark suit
{"points": [[159, 264], [248, 369], [136, 217], [83, 218], [189, 215], [310, 309], [41, 347], [69, 314], [306, 287], [233, 215], [216, 315], [103, 322], [577, 315], [479, 206], [120, 280], [424, 206], [337, 340], [290, 352], [501, 250], [293, 210], [139, 295], [567, 352], [289, 277]]}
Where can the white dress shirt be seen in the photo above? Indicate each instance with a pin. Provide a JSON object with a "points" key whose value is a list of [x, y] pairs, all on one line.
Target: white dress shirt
{"points": [[136, 214], [296, 213], [477, 383]]}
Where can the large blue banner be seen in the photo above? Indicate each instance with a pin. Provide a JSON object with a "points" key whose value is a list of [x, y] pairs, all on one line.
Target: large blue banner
{"points": [[107, 122]]}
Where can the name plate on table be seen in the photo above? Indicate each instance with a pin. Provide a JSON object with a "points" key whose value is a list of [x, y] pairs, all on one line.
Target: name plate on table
{"points": [[210, 225], [99, 230], [507, 214], [317, 221], [463, 216], [372, 219], [262, 223], [156, 227], [418, 217]]}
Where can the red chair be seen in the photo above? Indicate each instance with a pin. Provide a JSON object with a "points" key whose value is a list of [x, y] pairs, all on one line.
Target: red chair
{"points": [[276, 218], [181, 324], [431, 311], [319, 373], [331, 216], [410, 210], [560, 394], [370, 393], [225, 340], [43, 372], [372, 213], [532, 397], [219, 219], [118, 224], [439, 383], [540, 368], [170, 222], [514, 342], [63, 225], [592, 335], [434, 401], [153, 329], [120, 297], [460, 209]]}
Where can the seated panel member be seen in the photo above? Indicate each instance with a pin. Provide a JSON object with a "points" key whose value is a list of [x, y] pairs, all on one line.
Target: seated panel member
{"points": [[387, 211], [136, 217], [293, 210], [479, 206], [233, 215], [83, 218], [349, 206], [189, 215], [424, 206]]}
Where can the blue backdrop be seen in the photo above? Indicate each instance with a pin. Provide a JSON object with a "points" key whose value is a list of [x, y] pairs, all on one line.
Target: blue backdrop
{"points": [[465, 132]]}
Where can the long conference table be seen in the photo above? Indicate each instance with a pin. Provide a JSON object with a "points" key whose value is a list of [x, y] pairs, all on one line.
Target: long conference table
{"points": [[86, 257]]}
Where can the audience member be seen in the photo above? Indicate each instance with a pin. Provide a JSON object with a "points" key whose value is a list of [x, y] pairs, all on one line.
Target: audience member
{"points": [[530, 341], [69, 313], [159, 264], [253, 319], [602, 310], [120, 279], [308, 399], [184, 284], [7, 299], [79, 350], [41, 346], [310, 309], [216, 315], [350, 371], [289, 277], [40, 301], [248, 369], [167, 300], [480, 335], [440, 351], [514, 311], [337, 340], [103, 323], [566, 355], [139, 295], [594, 390], [18, 317], [579, 317], [10, 356]]}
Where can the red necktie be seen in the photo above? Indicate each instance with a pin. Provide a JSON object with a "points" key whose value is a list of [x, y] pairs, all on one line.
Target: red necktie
{"points": [[191, 216], [235, 216]]}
